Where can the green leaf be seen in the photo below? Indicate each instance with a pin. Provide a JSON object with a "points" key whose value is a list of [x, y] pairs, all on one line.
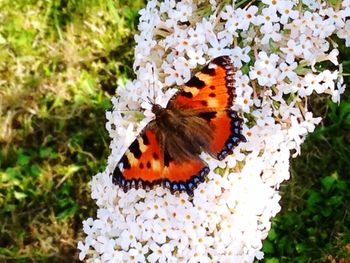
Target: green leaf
{"points": [[2, 40], [69, 212], [13, 173], [335, 3], [23, 159], [272, 234], [268, 247], [335, 200], [301, 247], [71, 169], [342, 186], [328, 181], [45, 152], [34, 170], [4, 177], [326, 211], [19, 195], [314, 198], [272, 260]]}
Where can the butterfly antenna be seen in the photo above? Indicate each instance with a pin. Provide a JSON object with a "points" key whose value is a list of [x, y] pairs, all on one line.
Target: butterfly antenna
{"points": [[154, 86], [125, 110]]}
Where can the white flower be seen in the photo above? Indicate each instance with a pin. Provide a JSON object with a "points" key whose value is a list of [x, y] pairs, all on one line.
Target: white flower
{"points": [[267, 18], [288, 71], [271, 33], [285, 8], [264, 69], [296, 27], [182, 12], [196, 36], [292, 50], [247, 17], [287, 110], [263, 116], [218, 48], [273, 4], [127, 239], [236, 156], [159, 253], [306, 47], [312, 4], [228, 13], [83, 250], [337, 92], [313, 83], [239, 55], [173, 75], [275, 48], [335, 17], [196, 57]]}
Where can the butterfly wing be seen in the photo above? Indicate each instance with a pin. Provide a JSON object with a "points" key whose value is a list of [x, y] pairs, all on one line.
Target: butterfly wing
{"points": [[211, 89], [145, 164], [211, 93]]}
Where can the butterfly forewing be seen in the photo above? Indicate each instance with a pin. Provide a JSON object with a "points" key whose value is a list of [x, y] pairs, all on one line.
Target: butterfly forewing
{"points": [[211, 89]]}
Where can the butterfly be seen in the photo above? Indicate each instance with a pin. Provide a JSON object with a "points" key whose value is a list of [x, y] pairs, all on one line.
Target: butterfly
{"points": [[198, 118]]}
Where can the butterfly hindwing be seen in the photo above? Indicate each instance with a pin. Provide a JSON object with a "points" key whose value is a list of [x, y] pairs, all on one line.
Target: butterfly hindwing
{"points": [[145, 164], [141, 165], [227, 131], [184, 176]]}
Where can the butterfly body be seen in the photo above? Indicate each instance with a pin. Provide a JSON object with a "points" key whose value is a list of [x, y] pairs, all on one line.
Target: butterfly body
{"points": [[181, 132], [197, 119]]}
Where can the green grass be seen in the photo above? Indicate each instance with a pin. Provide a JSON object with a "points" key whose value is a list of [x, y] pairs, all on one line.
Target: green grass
{"points": [[60, 61]]}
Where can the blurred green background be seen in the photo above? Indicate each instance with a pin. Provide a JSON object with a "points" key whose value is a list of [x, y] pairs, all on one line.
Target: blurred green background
{"points": [[60, 62]]}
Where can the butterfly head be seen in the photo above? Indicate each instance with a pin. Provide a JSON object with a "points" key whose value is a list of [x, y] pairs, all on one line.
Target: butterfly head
{"points": [[157, 109]]}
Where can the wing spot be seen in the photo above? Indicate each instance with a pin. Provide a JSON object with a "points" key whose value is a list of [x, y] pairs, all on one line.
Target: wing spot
{"points": [[204, 103], [212, 95], [145, 139], [195, 82], [167, 158], [193, 91], [156, 165], [212, 87], [187, 94], [135, 149], [148, 165], [141, 165], [207, 115], [142, 146], [155, 156], [208, 71], [131, 159], [125, 162]]}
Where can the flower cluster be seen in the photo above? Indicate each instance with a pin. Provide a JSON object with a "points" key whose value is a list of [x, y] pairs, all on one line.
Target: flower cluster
{"points": [[276, 48]]}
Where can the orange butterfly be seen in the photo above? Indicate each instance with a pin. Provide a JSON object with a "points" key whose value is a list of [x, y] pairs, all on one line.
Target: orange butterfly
{"points": [[197, 118]]}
